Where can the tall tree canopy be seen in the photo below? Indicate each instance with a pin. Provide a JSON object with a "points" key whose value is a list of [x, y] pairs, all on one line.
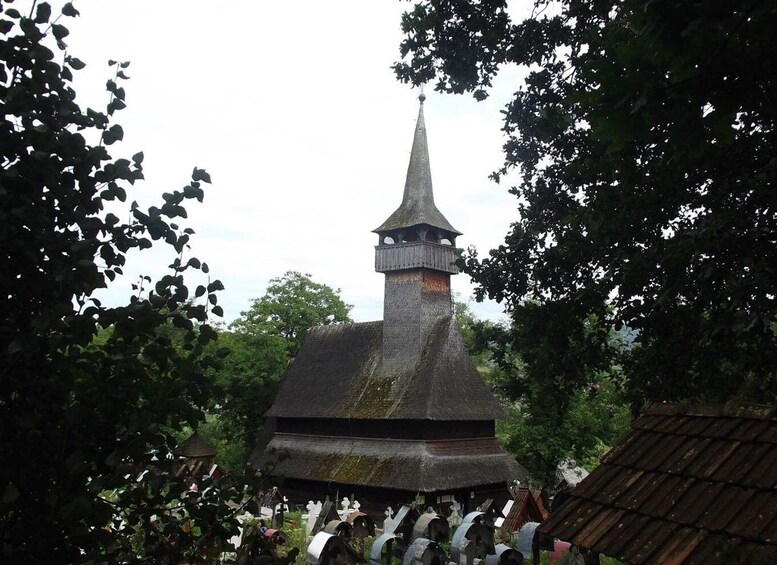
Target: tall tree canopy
{"points": [[292, 305], [261, 342], [646, 138], [596, 416], [86, 423]]}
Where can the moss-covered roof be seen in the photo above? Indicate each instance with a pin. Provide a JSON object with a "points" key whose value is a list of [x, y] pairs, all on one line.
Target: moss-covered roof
{"points": [[415, 465], [338, 373]]}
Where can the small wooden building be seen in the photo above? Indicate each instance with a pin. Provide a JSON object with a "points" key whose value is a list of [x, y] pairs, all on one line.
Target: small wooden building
{"points": [[394, 409], [690, 484], [199, 459], [523, 508]]}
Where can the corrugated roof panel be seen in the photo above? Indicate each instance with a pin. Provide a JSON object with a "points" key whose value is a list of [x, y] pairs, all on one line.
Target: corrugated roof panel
{"points": [[646, 422], [710, 550], [769, 435], [669, 424], [759, 555]]}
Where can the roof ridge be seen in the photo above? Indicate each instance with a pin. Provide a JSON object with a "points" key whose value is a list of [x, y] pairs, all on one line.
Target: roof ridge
{"points": [[325, 327]]}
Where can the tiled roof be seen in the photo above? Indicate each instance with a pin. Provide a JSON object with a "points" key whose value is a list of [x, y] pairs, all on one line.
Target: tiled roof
{"points": [[690, 484]]}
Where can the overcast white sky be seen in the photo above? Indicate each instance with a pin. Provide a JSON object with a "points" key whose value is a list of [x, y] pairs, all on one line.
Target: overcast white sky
{"points": [[294, 111]]}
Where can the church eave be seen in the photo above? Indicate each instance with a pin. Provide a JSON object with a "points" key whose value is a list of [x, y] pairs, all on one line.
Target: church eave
{"points": [[421, 466]]}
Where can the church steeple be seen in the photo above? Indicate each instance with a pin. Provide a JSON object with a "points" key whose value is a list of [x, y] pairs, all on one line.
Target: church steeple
{"points": [[416, 250], [418, 206]]}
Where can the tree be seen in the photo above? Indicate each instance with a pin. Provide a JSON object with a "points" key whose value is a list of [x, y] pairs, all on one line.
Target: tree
{"points": [[292, 304], [87, 423], [247, 382], [537, 433], [645, 135], [261, 342]]}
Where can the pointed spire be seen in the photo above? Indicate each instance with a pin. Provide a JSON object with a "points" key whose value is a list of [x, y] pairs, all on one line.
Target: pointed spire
{"points": [[418, 199]]}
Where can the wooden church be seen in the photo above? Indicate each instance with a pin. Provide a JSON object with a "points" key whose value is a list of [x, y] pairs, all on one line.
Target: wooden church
{"points": [[395, 409]]}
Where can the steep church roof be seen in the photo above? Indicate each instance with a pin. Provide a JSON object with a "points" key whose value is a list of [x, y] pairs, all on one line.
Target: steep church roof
{"points": [[418, 199], [338, 374], [395, 405]]}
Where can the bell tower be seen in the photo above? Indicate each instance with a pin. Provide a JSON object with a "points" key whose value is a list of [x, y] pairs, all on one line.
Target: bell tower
{"points": [[416, 251]]}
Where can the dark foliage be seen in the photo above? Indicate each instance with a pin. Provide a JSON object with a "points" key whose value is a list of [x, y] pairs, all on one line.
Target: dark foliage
{"points": [[82, 418], [645, 135]]}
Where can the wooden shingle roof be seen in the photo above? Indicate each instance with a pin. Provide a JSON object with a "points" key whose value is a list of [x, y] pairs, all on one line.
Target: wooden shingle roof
{"points": [[418, 199], [524, 509], [196, 446], [401, 464], [690, 484], [338, 374]]}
